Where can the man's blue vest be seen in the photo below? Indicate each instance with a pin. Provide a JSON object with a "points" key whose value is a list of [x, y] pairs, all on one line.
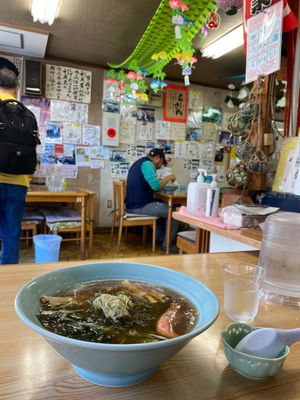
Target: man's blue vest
{"points": [[139, 192]]}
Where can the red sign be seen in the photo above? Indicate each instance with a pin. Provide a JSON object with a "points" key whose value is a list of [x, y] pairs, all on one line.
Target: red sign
{"points": [[111, 132]]}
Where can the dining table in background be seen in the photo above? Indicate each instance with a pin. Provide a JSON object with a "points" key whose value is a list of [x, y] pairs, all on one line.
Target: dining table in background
{"points": [[173, 200], [30, 368], [250, 237], [38, 195]]}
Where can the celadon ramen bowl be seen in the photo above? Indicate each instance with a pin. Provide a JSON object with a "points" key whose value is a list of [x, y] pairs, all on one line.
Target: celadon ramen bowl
{"points": [[116, 365]]}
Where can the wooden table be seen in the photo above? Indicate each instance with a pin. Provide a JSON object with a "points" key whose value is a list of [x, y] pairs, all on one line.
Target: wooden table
{"points": [[80, 196], [251, 237], [30, 369], [177, 199]]}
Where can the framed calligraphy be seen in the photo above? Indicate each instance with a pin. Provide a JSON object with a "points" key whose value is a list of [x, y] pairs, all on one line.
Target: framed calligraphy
{"points": [[175, 103]]}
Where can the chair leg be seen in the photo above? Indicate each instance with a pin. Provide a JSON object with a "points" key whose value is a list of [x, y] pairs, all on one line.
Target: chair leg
{"points": [[144, 235], [153, 235], [120, 234], [91, 240], [113, 223]]}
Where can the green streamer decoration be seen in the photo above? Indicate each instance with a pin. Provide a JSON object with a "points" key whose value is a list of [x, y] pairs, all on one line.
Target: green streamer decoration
{"points": [[160, 35]]}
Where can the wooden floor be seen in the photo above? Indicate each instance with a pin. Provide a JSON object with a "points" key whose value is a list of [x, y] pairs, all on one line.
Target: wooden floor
{"points": [[132, 247]]}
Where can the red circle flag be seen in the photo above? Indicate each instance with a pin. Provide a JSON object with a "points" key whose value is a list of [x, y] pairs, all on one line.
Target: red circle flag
{"points": [[111, 133]]}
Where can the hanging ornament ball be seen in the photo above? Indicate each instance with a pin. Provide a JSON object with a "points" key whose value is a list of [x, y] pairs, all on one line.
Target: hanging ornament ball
{"points": [[231, 7]]}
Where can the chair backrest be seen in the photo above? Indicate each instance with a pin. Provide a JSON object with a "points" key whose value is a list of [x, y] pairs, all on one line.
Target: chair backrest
{"points": [[119, 194]]}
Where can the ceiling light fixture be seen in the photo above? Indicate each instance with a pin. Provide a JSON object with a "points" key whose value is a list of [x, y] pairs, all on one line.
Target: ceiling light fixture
{"points": [[224, 44], [44, 10]]}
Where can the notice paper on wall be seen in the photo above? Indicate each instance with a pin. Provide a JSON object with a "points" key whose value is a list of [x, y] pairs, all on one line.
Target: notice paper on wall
{"points": [[97, 163], [111, 129], [70, 84], [191, 165], [53, 132], [72, 133], [192, 150], [136, 151], [177, 131], [67, 111], [180, 149], [91, 135], [44, 106], [195, 99], [128, 130], [99, 152], [82, 153], [264, 42], [144, 131], [163, 130], [69, 154], [119, 169]]}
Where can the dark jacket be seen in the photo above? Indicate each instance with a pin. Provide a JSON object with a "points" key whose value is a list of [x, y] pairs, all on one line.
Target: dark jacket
{"points": [[139, 192]]}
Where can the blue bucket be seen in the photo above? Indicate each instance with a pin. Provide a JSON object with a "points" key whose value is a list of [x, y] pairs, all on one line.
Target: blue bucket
{"points": [[46, 248]]}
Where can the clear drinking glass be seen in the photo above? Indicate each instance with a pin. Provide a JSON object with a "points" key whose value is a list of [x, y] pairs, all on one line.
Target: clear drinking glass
{"points": [[242, 285]]}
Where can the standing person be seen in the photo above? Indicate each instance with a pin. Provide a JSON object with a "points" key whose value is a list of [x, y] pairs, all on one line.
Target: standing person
{"points": [[142, 183], [18, 139]]}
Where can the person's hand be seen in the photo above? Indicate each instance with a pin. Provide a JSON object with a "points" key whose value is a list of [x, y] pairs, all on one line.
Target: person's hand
{"points": [[172, 177]]}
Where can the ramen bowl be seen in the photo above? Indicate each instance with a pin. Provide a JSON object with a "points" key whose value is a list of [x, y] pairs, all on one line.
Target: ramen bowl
{"points": [[116, 365]]}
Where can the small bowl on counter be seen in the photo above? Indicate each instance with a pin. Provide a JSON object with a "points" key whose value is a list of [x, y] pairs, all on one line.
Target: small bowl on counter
{"points": [[245, 364], [170, 189]]}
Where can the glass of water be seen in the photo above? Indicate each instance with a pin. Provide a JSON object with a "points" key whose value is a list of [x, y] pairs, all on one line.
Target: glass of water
{"points": [[242, 285]]}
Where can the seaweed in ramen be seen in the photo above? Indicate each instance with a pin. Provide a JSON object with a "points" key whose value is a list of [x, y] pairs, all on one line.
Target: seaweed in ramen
{"points": [[115, 311]]}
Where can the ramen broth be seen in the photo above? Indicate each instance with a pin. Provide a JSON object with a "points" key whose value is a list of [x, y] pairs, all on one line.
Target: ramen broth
{"points": [[116, 311]]}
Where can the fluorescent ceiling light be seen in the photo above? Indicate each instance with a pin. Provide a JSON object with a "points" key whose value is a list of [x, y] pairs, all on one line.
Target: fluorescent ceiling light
{"points": [[225, 44], [44, 10]]}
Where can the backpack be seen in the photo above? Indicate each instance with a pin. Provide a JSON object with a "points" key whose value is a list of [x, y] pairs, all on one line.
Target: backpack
{"points": [[18, 138]]}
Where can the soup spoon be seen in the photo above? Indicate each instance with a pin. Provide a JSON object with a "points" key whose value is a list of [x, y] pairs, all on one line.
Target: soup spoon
{"points": [[267, 342]]}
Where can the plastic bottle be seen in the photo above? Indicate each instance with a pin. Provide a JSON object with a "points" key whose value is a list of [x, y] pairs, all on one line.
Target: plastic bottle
{"points": [[212, 199], [55, 179], [196, 195]]}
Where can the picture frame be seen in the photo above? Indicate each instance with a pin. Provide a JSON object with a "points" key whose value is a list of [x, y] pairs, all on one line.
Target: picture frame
{"points": [[175, 103]]}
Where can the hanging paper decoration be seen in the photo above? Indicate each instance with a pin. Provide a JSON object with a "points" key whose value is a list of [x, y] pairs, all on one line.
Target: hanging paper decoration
{"points": [[213, 21], [230, 6], [162, 55], [161, 31], [186, 61], [178, 19]]}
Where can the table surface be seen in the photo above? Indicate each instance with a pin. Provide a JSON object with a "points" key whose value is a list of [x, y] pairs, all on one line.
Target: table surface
{"points": [[251, 237], [30, 369]]}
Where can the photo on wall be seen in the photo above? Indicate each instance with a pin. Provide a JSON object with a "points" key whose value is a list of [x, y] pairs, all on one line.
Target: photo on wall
{"points": [[146, 114], [193, 134], [212, 114]]}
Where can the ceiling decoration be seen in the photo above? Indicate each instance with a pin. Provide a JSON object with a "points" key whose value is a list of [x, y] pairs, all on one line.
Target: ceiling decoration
{"points": [[159, 35]]}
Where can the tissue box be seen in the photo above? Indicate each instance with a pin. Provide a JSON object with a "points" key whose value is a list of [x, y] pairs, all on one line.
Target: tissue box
{"points": [[244, 216]]}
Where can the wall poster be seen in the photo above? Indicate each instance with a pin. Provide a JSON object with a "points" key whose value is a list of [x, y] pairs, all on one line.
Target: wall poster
{"points": [[175, 103], [70, 84]]}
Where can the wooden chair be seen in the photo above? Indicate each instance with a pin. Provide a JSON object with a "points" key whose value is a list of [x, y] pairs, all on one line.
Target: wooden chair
{"points": [[89, 224], [126, 219], [29, 229], [193, 242]]}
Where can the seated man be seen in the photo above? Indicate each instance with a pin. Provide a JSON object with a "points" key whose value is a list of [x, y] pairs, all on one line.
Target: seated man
{"points": [[142, 182]]}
